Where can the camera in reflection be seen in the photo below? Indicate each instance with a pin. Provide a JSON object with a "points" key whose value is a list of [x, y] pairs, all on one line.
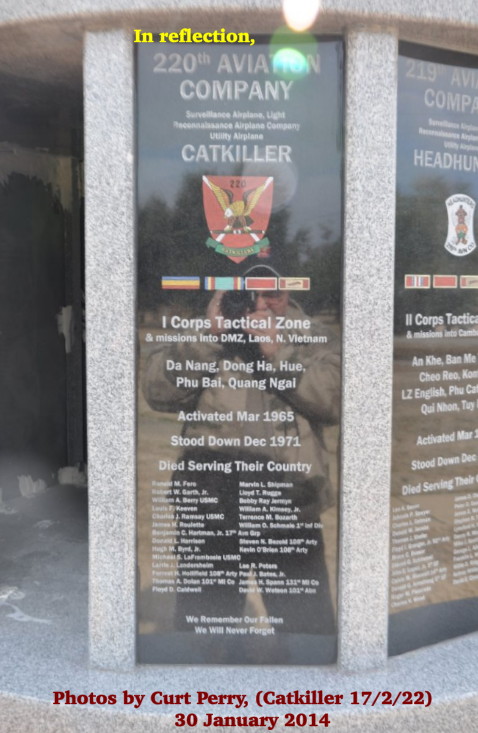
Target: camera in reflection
{"points": [[235, 303]]}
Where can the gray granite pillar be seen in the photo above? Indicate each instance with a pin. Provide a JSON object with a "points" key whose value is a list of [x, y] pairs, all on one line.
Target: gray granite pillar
{"points": [[370, 123], [110, 323]]}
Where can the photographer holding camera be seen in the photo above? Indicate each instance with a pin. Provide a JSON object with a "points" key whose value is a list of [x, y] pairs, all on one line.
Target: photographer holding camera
{"points": [[256, 431]]}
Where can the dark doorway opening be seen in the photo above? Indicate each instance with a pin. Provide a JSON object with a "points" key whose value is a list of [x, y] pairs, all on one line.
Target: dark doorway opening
{"points": [[43, 495]]}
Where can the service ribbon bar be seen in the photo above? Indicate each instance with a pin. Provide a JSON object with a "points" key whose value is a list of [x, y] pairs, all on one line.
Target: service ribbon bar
{"points": [[417, 282], [469, 281], [261, 283], [294, 283], [178, 282], [445, 281], [224, 283]]}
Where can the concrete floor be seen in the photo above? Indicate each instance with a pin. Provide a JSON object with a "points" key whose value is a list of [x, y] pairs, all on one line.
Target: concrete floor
{"points": [[43, 562], [43, 583]]}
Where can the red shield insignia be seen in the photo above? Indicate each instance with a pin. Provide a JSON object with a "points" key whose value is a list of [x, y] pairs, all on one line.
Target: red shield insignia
{"points": [[238, 210]]}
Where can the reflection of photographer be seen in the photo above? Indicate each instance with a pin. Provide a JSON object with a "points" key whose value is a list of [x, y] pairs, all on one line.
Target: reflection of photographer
{"points": [[254, 304], [274, 443]]}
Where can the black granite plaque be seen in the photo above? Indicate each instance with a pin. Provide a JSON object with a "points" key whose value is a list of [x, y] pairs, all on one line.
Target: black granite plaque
{"points": [[239, 255], [434, 520]]}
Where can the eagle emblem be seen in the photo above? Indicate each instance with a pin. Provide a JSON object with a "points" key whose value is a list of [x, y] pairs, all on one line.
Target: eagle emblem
{"points": [[238, 210]]}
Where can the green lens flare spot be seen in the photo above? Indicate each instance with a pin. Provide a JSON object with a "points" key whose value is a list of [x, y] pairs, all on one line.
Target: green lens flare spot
{"points": [[290, 63]]}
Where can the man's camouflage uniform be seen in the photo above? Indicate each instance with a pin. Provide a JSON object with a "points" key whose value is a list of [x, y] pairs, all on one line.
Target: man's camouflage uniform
{"points": [[315, 402]]}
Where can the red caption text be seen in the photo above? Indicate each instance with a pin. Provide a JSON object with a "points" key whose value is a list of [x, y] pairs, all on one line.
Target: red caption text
{"points": [[239, 702]]}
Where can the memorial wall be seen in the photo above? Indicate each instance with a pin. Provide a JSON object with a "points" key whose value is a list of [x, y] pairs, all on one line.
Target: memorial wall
{"points": [[239, 191], [239, 273], [434, 519]]}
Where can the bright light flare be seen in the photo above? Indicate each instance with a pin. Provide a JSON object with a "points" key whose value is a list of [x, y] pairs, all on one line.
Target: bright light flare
{"points": [[300, 14]]}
